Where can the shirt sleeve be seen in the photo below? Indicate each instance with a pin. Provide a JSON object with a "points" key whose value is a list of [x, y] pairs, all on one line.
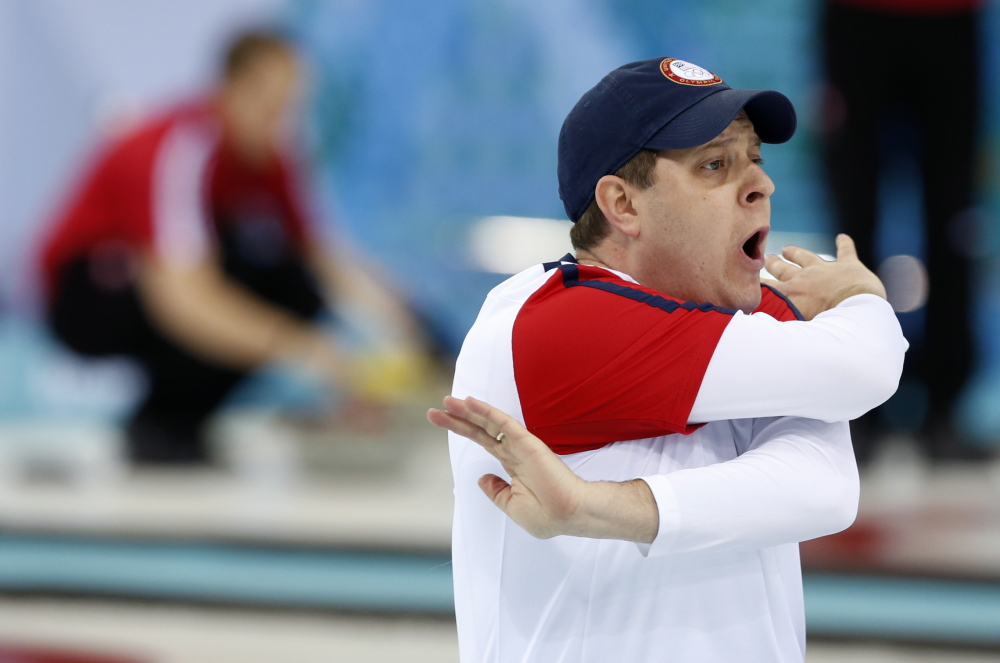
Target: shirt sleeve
{"points": [[836, 367], [798, 480], [291, 185], [597, 359], [180, 221]]}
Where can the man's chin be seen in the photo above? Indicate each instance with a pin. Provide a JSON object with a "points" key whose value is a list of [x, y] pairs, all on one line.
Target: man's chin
{"points": [[744, 297], [749, 302]]}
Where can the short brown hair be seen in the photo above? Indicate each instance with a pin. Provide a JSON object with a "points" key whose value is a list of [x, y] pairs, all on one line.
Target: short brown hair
{"points": [[593, 226], [246, 47]]}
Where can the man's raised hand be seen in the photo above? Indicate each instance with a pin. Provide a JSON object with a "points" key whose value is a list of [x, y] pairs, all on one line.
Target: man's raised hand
{"points": [[815, 285], [543, 496]]}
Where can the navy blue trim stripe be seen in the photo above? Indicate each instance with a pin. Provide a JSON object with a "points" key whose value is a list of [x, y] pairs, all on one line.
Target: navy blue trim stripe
{"points": [[546, 266], [571, 277], [798, 315]]}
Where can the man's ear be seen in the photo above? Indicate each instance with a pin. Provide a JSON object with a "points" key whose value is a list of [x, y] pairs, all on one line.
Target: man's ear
{"points": [[614, 197]]}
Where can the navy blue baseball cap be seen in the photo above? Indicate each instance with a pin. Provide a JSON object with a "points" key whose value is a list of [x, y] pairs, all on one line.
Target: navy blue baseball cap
{"points": [[658, 104]]}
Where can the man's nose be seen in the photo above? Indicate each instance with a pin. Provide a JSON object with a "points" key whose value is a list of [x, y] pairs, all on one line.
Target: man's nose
{"points": [[758, 186]]}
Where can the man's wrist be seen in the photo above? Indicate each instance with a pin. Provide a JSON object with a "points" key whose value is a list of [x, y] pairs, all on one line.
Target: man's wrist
{"points": [[856, 289], [311, 349], [610, 510]]}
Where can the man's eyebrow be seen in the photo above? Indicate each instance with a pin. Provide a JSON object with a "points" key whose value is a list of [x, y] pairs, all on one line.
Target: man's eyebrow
{"points": [[724, 142], [718, 142]]}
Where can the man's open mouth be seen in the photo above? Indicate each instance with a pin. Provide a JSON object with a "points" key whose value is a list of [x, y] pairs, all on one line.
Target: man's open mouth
{"points": [[754, 245]]}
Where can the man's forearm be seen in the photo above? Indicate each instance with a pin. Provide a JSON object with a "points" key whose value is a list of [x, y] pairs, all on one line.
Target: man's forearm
{"points": [[625, 511], [225, 324], [351, 282], [797, 482]]}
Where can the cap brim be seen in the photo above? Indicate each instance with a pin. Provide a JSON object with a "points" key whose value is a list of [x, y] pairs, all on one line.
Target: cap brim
{"points": [[771, 112]]}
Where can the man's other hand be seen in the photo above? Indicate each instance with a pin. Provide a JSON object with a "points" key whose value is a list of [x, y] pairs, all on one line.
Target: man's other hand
{"points": [[544, 496], [815, 285]]}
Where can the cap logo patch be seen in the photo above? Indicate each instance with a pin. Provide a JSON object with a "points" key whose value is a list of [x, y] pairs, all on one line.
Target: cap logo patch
{"points": [[686, 73]]}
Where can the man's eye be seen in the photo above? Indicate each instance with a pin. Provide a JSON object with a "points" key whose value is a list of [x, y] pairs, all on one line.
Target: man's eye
{"points": [[759, 161], [713, 165]]}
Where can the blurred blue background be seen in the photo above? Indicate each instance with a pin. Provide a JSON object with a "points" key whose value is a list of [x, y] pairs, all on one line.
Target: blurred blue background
{"points": [[422, 119]]}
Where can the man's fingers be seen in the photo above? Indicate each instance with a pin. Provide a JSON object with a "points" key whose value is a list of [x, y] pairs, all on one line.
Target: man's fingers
{"points": [[452, 423], [478, 421], [496, 489], [456, 406], [449, 421], [845, 247], [800, 256], [778, 268], [463, 427], [496, 419], [460, 408]]}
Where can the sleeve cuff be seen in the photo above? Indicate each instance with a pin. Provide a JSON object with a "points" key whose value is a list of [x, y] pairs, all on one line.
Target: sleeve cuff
{"points": [[670, 517], [863, 297]]}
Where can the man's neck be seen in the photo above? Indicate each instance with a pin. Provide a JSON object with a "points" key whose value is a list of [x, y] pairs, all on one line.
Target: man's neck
{"points": [[616, 259], [588, 257]]}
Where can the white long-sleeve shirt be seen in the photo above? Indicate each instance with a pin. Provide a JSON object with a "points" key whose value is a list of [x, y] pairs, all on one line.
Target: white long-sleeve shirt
{"points": [[615, 377]]}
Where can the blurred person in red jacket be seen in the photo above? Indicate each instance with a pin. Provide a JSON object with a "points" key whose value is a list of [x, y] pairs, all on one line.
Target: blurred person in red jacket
{"points": [[186, 245]]}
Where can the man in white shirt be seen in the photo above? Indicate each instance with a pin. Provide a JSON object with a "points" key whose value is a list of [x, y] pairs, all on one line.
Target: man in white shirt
{"points": [[699, 416]]}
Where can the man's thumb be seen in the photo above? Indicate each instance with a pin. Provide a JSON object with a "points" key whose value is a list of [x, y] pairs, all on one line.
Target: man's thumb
{"points": [[845, 247]]}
